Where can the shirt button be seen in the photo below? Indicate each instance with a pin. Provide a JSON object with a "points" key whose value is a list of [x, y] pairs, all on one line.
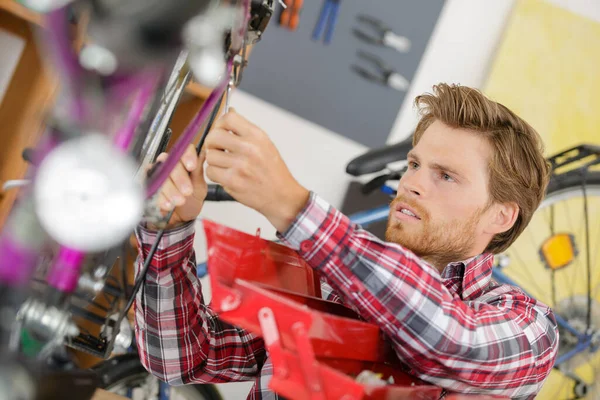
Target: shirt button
{"points": [[305, 246]]}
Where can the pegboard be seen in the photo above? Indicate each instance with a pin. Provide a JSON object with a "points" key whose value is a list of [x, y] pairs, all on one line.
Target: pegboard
{"points": [[315, 81]]}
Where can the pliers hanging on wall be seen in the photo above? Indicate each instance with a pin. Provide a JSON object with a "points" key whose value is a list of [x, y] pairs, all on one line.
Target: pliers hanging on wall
{"points": [[380, 34], [329, 14], [379, 72]]}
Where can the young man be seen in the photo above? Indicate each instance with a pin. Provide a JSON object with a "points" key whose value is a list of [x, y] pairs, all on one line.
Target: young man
{"points": [[476, 175]]}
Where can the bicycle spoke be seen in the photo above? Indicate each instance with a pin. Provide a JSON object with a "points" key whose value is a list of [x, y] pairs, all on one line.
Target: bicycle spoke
{"points": [[553, 272], [571, 277], [532, 281]]}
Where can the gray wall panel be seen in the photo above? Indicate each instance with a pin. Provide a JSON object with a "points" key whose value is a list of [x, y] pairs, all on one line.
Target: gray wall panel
{"points": [[314, 80]]}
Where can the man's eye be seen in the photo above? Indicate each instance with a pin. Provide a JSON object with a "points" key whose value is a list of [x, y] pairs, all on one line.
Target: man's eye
{"points": [[413, 165], [447, 177]]}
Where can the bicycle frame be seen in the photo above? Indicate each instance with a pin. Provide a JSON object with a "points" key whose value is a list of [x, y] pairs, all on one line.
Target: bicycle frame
{"points": [[23, 239]]}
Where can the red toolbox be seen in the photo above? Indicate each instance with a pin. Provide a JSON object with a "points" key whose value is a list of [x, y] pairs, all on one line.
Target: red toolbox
{"points": [[317, 347]]}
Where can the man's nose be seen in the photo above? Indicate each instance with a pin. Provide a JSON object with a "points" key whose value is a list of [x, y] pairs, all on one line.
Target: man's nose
{"points": [[412, 183]]}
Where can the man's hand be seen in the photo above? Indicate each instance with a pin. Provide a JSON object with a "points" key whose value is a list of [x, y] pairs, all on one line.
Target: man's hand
{"points": [[242, 158], [185, 190]]}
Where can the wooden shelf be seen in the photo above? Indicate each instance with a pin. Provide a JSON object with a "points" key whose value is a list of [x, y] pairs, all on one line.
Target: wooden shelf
{"points": [[28, 95], [19, 10], [195, 89]]}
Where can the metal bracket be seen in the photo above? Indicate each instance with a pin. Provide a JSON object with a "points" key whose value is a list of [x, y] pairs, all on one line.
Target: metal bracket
{"points": [[268, 326], [308, 362]]}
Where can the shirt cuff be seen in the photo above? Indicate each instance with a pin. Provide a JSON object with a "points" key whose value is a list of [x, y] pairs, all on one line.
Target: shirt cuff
{"points": [[177, 242], [302, 233], [175, 235]]}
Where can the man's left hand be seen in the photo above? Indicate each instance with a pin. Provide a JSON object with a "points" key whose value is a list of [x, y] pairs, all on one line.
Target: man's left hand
{"points": [[241, 158]]}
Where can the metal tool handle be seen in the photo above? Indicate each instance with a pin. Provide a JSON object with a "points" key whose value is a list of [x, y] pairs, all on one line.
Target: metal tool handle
{"points": [[15, 183], [397, 42], [398, 82]]}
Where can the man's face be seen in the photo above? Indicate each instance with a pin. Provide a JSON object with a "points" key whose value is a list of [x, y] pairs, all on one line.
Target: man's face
{"points": [[442, 202]]}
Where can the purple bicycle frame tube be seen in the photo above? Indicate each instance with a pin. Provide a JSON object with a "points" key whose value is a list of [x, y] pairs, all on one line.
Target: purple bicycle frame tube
{"points": [[163, 171], [66, 60], [126, 134]]}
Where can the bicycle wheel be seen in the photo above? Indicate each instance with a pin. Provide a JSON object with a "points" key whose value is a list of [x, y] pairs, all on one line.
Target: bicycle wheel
{"points": [[568, 216], [124, 375]]}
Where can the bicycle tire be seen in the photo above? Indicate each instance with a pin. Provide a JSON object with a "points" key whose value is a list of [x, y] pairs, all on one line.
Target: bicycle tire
{"points": [[127, 371], [562, 190]]}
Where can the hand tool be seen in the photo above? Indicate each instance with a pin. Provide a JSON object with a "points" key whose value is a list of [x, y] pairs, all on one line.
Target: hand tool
{"points": [[329, 15], [380, 34], [379, 72]]}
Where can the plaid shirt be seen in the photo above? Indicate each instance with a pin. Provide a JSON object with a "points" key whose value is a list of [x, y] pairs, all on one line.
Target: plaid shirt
{"points": [[459, 330]]}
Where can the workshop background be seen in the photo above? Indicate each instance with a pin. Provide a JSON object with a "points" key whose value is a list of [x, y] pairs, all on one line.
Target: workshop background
{"points": [[538, 57], [523, 53]]}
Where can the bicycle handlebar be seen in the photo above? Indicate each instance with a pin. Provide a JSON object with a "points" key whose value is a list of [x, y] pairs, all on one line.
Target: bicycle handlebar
{"points": [[217, 193]]}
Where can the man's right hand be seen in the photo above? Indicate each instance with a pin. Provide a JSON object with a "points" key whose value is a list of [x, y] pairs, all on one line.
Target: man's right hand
{"points": [[185, 190]]}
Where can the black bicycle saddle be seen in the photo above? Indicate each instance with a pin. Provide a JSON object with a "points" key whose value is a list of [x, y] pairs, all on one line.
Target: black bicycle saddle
{"points": [[377, 159]]}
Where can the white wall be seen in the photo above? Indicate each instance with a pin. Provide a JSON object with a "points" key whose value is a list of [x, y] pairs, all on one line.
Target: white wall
{"points": [[586, 8]]}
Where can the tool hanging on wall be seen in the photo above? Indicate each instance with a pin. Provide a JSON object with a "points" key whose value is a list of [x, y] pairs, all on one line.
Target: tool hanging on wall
{"points": [[379, 72], [380, 34], [329, 15], [290, 15]]}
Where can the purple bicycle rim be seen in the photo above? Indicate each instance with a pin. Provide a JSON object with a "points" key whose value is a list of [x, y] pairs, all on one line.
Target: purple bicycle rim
{"points": [[164, 170]]}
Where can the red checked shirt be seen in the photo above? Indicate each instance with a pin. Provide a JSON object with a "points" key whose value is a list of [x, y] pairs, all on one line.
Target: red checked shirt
{"points": [[459, 330]]}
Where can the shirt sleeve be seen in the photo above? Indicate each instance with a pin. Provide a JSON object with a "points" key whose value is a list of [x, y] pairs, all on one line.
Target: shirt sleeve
{"points": [[502, 343], [180, 339]]}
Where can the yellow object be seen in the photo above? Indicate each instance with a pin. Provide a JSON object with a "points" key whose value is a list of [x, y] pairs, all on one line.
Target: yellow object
{"points": [[547, 70], [558, 251]]}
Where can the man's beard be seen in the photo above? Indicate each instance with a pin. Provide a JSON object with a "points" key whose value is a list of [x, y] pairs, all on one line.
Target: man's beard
{"points": [[439, 244]]}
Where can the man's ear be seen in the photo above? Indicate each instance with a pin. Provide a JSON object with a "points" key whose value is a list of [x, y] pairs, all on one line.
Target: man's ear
{"points": [[502, 217]]}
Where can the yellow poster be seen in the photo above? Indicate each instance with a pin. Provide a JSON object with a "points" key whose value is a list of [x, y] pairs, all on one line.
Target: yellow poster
{"points": [[547, 70]]}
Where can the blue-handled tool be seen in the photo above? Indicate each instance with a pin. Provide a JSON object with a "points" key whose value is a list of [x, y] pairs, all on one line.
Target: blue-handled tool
{"points": [[329, 15]]}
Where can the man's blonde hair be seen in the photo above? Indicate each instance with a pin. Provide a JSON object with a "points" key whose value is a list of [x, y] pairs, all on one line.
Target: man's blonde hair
{"points": [[518, 171]]}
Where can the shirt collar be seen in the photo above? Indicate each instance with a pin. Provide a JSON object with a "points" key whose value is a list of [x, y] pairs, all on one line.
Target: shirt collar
{"points": [[474, 273]]}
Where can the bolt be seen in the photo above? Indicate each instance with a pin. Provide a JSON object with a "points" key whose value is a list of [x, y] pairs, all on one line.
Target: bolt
{"points": [[100, 271]]}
